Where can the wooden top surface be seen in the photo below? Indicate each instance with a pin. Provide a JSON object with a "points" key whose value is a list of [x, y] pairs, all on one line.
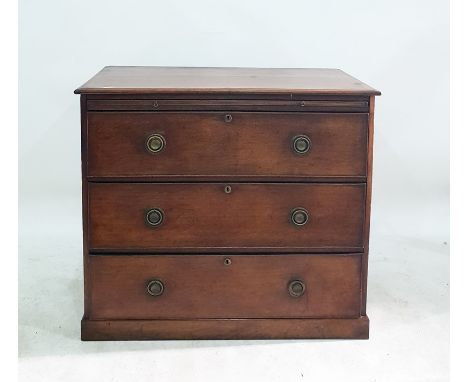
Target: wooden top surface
{"points": [[154, 79]]}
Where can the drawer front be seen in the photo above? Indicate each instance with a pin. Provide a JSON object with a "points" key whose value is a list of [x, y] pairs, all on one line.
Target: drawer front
{"points": [[138, 144], [214, 286], [193, 216]]}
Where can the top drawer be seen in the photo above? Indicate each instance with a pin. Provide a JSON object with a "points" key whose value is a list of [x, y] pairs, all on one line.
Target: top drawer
{"points": [[222, 144]]}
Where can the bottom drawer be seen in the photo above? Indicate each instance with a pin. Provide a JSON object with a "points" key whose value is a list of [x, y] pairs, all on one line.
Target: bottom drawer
{"points": [[216, 286]]}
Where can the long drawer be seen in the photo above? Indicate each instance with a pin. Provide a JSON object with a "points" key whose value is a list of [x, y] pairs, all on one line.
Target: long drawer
{"points": [[241, 217], [215, 286], [229, 145]]}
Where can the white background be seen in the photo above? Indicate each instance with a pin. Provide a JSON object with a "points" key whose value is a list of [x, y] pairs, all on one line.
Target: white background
{"points": [[399, 47]]}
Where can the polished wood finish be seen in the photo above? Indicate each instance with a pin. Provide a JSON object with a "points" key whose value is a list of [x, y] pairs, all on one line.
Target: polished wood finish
{"points": [[366, 236], [225, 329], [84, 199], [150, 79], [251, 144], [217, 286], [200, 216], [226, 184], [158, 104]]}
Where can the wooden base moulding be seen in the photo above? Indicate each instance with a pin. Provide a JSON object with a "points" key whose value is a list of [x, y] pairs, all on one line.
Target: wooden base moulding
{"points": [[221, 329]]}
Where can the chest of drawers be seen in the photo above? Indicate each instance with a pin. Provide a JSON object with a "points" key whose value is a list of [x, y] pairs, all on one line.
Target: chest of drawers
{"points": [[225, 203]]}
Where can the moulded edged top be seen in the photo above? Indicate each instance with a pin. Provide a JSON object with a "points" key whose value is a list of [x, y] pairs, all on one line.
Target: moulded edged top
{"points": [[157, 79]]}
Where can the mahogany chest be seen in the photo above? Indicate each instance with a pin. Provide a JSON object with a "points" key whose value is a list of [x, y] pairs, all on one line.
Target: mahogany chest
{"points": [[225, 203]]}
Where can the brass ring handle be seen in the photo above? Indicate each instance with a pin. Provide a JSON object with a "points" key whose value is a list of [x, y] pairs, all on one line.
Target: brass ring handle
{"points": [[299, 216], [155, 143], [228, 118], [155, 288], [301, 144], [296, 288], [154, 217]]}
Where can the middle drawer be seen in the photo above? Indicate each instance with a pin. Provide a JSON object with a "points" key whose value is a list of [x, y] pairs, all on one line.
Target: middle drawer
{"points": [[185, 217]]}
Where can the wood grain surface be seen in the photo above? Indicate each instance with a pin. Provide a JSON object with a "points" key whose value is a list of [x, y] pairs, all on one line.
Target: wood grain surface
{"points": [[225, 329], [203, 144], [153, 79], [200, 216], [203, 286]]}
